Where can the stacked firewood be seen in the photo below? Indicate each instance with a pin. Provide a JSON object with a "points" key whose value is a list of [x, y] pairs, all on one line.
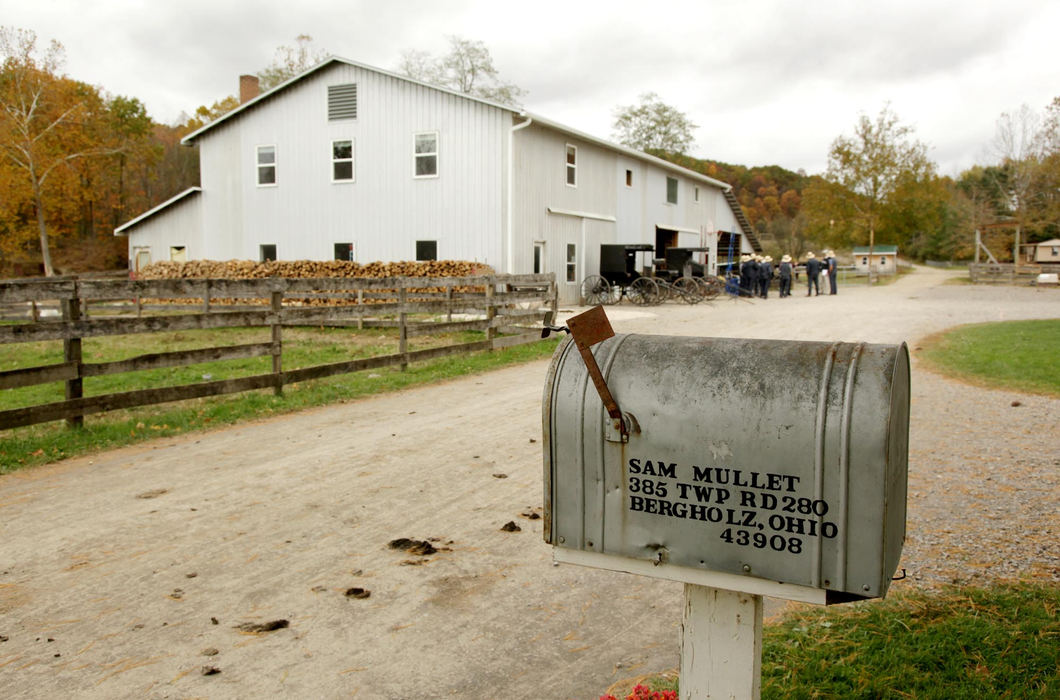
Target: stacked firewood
{"points": [[302, 269], [248, 269]]}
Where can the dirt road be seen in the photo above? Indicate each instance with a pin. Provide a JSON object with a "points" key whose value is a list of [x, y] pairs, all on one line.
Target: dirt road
{"points": [[127, 574]]}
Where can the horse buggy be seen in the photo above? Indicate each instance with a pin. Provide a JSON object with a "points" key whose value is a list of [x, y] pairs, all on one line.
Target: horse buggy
{"points": [[676, 276]]}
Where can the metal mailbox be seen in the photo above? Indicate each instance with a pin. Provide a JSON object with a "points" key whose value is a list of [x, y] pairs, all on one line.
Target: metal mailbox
{"points": [[780, 460]]}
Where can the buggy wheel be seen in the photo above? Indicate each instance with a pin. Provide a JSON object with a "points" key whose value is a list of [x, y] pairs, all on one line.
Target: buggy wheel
{"points": [[712, 286], [689, 290], [595, 290], [644, 292], [615, 295]]}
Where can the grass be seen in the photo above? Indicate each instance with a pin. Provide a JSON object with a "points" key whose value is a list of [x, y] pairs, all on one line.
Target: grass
{"points": [[1019, 355], [303, 347], [960, 642]]}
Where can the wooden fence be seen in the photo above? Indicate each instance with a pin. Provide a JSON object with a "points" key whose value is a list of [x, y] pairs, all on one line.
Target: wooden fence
{"points": [[1003, 273], [498, 303]]}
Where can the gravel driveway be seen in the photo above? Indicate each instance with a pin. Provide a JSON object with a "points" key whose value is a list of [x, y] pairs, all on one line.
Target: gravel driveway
{"points": [[130, 573]]}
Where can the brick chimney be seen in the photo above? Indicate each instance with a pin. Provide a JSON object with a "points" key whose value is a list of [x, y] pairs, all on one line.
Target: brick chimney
{"points": [[248, 88]]}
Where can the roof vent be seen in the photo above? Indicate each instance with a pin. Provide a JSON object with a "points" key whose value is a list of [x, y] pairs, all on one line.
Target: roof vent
{"points": [[342, 101]]}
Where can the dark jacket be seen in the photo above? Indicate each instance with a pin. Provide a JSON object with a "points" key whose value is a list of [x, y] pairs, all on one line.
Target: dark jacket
{"points": [[813, 268], [785, 270]]}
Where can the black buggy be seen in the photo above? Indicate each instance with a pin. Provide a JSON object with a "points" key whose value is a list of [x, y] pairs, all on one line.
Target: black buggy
{"points": [[675, 276], [619, 277]]}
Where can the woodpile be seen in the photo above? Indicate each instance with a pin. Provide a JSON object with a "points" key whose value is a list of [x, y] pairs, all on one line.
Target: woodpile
{"points": [[248, 269], [302, 269]]}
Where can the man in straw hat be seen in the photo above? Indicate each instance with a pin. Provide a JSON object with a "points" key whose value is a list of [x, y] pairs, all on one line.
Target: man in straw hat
{"points": [[765, 276], [813, 273], [784, 271], [831, 267], [747, 275]]}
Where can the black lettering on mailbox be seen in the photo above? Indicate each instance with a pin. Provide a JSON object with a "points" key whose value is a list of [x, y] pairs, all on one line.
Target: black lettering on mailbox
{"points": [[650, 468], [746, 524]]}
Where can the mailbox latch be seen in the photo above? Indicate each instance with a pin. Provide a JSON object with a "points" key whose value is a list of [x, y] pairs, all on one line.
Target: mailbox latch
{"points": [[588, 329]]}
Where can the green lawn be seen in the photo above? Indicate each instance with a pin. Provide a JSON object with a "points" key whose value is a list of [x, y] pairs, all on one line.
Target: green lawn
{"points": [[961, 642], [1021, 355], [303, 347]]}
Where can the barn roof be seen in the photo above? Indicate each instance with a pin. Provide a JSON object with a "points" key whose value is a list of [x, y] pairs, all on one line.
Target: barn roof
{"points": [[124, 228]]}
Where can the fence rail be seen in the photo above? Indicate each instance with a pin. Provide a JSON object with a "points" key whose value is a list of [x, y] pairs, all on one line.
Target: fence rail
{"points": [[1003, 273], [272, 303]]}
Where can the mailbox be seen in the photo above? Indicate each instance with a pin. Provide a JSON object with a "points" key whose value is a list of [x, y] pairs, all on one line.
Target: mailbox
{"points": [[777, 460]]}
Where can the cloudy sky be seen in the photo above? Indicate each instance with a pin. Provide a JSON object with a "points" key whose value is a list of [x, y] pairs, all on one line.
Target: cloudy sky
{"points": [[768, 82]]}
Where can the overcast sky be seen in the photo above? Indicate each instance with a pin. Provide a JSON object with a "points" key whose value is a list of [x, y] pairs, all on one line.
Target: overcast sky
{"points": [[768, 82]]}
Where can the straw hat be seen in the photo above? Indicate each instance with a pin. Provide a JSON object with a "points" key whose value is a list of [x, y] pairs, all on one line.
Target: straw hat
{"points": [[769, 258], [745, 257], [786, 258], [810, 255], [829, 253]]}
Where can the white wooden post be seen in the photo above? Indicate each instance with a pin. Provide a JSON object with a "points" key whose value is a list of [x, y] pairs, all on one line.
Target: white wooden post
{"points": [[721, 644]]}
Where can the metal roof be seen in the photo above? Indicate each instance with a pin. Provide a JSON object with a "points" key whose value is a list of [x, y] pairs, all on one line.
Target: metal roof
{"points": [[538, 119], [250, 104], [879, 249], [123, 229]]}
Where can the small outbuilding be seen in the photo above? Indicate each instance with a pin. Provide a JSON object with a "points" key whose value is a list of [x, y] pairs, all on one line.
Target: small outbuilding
{"points": [[884, 259], [1044, 252]]}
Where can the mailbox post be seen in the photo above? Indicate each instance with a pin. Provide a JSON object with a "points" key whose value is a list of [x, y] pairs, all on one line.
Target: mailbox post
{"points": [[742, 468]]}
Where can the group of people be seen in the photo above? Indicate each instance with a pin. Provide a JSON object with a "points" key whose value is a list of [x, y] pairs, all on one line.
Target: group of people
{"points": [[757, 272]]}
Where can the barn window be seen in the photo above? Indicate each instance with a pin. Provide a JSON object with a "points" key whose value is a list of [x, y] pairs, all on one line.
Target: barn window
{"points": [[267, 251], [426, 250], [696, 194], [539, 258], [572, 165], [266, 166], [572, 263], [344, 251], [426, 154], [178, 253], [671, 190], [629, 178], [342, 101], [342, 161]]}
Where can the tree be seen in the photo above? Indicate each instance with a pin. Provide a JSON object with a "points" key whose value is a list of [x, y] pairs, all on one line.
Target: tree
{"points": [[467, 68], [290, 61], [1018, 149], [42, 120], [869, 167], [653, 126]]}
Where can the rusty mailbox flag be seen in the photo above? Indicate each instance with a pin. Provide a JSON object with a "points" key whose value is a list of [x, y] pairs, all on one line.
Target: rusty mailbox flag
{"points": [[778, 460]]}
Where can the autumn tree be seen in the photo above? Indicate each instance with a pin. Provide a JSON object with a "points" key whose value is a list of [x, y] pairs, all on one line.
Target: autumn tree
{"points": [[467, 68], [868, 168], [653, 126], [1018, 150], [43, 121], [290, 61]]}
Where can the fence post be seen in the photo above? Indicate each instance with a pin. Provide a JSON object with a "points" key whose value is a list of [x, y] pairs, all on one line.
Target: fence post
{"points": [[553, 293], [206, 297], [449, 303], [72, 353], [277, 342], [360, 309], [403, 329], [491, 313]]}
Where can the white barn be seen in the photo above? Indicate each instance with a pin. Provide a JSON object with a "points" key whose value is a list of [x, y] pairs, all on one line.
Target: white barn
{"points": [[352, 162]]}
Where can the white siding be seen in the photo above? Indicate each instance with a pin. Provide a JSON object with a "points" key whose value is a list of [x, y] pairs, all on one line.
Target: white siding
{"points": [[179, 225], [385, 210]]}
